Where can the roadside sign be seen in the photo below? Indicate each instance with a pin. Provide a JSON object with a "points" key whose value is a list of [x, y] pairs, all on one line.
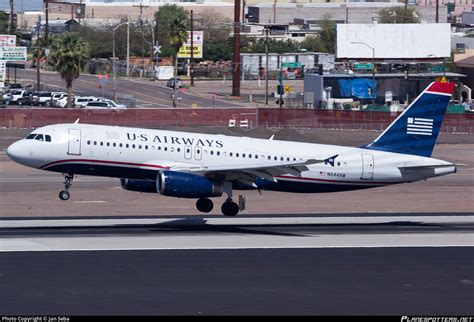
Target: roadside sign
{"points": [[13, 53], [2, 73], [185, 50], [364, 66], [291, 65], [7, 40]]}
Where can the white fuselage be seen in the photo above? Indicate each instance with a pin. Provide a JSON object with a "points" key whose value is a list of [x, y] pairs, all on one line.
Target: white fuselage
{"points": [[124, 152]]}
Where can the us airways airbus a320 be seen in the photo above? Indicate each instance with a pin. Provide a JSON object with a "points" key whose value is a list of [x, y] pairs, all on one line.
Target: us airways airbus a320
{"points": [[199, 166]]}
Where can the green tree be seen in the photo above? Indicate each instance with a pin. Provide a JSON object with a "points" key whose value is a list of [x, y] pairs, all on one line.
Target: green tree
{"points": [[399, 15], [177, 35], [216, 51], [164, 18], [3, 22], [68, 55], [325, 41], [274, 46]]}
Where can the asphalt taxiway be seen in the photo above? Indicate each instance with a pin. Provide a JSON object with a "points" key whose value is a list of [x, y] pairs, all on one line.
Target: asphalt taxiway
{"points": [[339, 264]]}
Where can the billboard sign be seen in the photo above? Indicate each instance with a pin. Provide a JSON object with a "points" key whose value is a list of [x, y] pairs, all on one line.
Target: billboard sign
{"points": [[393, 41], [185, 50], [7, 40], [12, 53]]}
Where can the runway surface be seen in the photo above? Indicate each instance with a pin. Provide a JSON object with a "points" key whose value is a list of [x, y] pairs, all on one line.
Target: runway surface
{"points": [[273, 265]]}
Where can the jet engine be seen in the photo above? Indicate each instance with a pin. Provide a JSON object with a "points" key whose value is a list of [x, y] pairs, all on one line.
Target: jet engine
{"points": [[139, 185], [187, 185]]}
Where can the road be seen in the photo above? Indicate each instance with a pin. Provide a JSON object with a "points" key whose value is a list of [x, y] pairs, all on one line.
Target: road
{"points": [[285, 265], [146, 93]]}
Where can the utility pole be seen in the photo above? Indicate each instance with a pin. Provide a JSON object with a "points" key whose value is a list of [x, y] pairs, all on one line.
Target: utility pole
{"points": [[437, 11], [38, 77], [10, 24], [236, 55], [46, 26], [191, 61], [141, 6]]}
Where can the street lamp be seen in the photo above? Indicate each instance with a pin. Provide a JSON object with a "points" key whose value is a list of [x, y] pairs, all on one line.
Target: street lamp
{"points": [[113, 54], [373, 68]]}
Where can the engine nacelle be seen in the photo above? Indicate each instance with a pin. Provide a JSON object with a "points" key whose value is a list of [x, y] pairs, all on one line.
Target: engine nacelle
{"points": [[186, 185], [139, 185]]}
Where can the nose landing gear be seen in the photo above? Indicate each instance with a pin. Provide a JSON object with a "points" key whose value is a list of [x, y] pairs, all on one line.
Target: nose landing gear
{"points": [[64, 194]]}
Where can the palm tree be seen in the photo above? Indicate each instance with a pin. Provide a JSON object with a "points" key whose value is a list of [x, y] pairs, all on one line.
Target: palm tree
{"points": [[68, 55], [177, 37]]}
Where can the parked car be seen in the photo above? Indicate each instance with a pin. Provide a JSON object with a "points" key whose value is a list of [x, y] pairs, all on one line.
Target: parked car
{"points": [[81, 101], [104, 106], [62, 102], [170, 83], [42, 98], [18, 96], [55, 96]]}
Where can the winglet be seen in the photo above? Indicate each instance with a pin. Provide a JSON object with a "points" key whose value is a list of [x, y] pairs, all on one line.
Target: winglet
{"points": [[77, 121]]}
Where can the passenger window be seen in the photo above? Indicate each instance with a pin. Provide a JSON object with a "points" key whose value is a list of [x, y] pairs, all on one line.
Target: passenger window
{"points": [[256, 156], [101, 143], [212, 152], [139, 146], [39, 137], [166, 149], [237, 155], [230, 154], [133, 146], [88, 142], [339, 164], [95, 142], [178, 149], [48, 138], [188, 150], [146, 147], [127, 145], [114, 144], [275, 158], [31, 136], [287, 159], [172, 149], [108, 144], [269, 157], [243, 155], [218, 153], [159, 148], [281, 159]]}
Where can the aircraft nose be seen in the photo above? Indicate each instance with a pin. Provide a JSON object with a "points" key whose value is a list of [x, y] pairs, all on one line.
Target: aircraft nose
{"points": [[14, 151]]}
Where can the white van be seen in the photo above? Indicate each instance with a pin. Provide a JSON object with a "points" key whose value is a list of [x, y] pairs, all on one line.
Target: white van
{"points": [[81, 101]]}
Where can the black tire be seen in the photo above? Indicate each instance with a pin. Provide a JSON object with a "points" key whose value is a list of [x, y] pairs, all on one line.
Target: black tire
{"points": [[230, 208], [64, 195], [204, 205]]}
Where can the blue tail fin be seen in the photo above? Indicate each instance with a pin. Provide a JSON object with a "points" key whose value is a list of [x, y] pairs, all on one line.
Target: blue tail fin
{"points": [[415, 131]]}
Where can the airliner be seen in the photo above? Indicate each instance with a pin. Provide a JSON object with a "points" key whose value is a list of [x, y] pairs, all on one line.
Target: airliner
{"points": [[200, 166]]}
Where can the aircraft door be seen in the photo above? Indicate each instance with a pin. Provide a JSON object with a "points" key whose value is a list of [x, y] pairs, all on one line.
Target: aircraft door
{"points": [[188, 152], [74, 146], [198, 153], [367, 167]]}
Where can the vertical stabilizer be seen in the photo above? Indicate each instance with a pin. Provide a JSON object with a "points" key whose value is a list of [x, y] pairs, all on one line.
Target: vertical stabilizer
{"points": [[415, 131]]}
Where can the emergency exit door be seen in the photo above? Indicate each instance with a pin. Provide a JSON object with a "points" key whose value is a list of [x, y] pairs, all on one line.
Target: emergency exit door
{"points": [[367, 167], [74, 147]]}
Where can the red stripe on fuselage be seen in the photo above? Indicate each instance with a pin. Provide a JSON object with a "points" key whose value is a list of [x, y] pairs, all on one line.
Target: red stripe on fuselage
{"points": [[163, 167], [103, 162]]}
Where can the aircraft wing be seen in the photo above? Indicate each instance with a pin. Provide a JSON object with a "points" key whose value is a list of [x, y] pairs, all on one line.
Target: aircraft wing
{"points": [[248, 174]]}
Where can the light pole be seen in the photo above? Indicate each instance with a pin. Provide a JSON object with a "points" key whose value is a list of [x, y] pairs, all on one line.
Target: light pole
{"points": [[266, 65], [373, 87], [114, 94]]}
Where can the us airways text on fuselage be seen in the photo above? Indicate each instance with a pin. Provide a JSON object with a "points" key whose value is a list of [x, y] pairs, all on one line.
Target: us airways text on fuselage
{"points": [[175, 140]]}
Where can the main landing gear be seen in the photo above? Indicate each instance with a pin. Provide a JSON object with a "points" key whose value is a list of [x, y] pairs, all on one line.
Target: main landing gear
{"points": [[228, 208], [65, 195]]}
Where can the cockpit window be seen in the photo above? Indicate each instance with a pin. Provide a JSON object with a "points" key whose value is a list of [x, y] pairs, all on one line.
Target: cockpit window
{"points": [[31, 136], [39, 137], [48, 138]]}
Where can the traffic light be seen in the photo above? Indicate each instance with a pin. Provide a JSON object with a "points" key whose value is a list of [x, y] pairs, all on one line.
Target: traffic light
{"points": [[280, 89]]}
